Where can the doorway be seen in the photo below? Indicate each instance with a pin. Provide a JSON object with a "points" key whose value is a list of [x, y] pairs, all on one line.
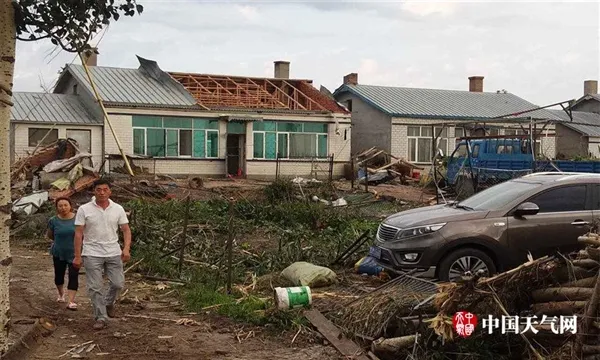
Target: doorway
{"points": [[236, 164]]}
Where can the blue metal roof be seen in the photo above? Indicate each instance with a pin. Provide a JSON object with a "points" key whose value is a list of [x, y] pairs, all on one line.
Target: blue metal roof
{"points": [[442, 104], [135, 87], [50, 108], [585, 123]]}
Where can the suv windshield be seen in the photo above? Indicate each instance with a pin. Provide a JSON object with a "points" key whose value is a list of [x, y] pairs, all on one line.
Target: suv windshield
{"points": [[497, 196]]}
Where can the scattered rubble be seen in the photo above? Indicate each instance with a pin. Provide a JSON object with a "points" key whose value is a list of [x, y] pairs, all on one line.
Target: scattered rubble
{"points": [[384, 168]]}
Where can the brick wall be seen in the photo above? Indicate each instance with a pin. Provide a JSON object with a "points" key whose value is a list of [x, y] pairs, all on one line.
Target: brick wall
{"points": [[21, 138], [122, 126], [290, 169]]}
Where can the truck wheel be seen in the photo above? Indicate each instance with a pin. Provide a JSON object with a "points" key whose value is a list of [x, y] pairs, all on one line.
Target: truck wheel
{"points": [[465, 262]]}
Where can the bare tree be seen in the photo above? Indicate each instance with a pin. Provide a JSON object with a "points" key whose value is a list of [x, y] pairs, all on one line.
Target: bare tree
{"points": [[69, 24]]}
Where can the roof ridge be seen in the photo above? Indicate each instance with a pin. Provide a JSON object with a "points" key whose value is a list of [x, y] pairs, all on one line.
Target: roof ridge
{"points": [[432, 89]]}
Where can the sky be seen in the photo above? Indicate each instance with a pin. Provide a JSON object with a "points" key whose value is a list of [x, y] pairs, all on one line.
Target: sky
{"points": [[541, 51]]}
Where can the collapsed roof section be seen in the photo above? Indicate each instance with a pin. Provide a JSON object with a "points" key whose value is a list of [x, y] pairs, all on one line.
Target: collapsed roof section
{"points": [[257, 94]]}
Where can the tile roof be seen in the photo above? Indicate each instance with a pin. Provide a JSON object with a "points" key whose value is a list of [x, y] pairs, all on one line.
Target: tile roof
{"points": [[585, 123], [132, 87], [443, 104], [50, 108]]}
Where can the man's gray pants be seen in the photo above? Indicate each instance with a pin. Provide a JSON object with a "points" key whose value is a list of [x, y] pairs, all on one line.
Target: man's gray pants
{"points": [[113, 268]]}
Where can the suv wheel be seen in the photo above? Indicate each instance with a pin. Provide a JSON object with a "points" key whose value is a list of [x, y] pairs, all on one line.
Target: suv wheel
{"points": [[465, 262]]}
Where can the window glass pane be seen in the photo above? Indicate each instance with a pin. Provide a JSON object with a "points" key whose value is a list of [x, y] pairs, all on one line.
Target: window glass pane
{"points": [[282, 145], [322, 151], [180, 123], [424, 151], [147, 121], [494, 132], [206, 124], [504, 149], [441, 132], [139, 141], [270, 145], [83, 138], [156, 142], [412, 149], [264, 126], [289, 127], [426, 131], [36, 135], [212, 144], [567, 198], [414, 131], [315, 128], [199, 142], [259, 145], [459, 132], [172, 143], [475, 151], [185, 142], [303, 146], [236, 128], [510, 132], [443, 145]]}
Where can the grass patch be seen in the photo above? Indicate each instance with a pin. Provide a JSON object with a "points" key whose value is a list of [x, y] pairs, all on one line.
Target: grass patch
{"points": [[248, 309]]}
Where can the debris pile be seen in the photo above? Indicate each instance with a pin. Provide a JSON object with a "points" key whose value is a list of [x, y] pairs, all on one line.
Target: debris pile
{"points": [[58, 168], [376, 166]]}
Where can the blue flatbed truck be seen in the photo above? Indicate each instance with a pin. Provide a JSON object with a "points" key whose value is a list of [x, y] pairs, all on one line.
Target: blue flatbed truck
{"points": [[490, 160]]}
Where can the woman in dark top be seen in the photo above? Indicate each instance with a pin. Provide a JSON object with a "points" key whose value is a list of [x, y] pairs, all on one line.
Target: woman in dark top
{"points": [[61, 230]]}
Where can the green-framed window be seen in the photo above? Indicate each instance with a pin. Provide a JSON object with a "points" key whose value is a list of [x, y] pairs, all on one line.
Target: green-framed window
{"points": [[175, 137], [291, 140]]}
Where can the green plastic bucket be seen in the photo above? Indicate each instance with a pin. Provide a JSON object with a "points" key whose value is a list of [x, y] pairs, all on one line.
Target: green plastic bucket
{"points": [[293, 297]]}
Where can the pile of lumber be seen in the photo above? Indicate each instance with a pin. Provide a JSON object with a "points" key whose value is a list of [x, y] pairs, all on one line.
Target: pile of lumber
{"points": [[23, 168], [563, 287], [381, 165]]}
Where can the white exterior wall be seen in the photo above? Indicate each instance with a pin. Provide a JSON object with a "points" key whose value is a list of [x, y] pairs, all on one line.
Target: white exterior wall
{"points": [[122, 124], [21, 138]]}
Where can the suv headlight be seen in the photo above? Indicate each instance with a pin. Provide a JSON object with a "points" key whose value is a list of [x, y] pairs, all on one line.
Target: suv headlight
{"points": [[419, 230]]}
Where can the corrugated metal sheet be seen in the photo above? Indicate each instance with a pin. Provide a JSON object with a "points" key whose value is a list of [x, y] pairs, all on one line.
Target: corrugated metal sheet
{"points": [[443, 104], [586, 123], [133, 86], [50, 108]]}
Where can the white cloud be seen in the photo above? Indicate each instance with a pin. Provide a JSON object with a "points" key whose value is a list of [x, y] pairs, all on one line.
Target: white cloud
{"points": [[426, 8], [250, 13]]}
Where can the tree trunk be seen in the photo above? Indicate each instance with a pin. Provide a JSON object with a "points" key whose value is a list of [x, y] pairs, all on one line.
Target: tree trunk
{"points": [[7, 65], [558, 308], [562, 294]]}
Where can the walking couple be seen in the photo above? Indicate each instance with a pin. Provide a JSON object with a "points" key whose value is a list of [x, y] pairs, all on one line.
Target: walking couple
{"points": [[90, 239]]}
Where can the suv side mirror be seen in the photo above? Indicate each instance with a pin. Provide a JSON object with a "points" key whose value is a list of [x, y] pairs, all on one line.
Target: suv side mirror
{"points": [[527, 208]]}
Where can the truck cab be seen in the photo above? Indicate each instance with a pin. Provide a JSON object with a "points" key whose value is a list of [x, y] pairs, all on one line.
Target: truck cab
{"points": [[490, 154]]}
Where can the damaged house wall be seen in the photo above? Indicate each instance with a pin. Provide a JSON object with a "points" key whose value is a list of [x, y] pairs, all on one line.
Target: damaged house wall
{"points": [[21, 138]]}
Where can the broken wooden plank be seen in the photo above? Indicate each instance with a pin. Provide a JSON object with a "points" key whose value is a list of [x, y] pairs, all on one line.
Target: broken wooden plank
{"points": [[370, 157], [345, 346]]}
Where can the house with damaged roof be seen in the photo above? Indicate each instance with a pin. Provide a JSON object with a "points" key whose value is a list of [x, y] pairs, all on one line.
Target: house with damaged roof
{"points": [[212, 125], [402, 120]]}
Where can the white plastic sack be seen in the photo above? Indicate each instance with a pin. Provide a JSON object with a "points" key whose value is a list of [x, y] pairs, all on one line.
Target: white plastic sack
{"points": [[307, 274], [30, 203]]}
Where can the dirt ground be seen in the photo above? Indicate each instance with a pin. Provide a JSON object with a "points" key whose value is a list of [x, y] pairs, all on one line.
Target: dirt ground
{"points": [[132, 336]]}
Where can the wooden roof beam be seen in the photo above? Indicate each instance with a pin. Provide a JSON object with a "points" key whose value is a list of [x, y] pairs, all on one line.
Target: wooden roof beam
{"points": [[277, 88], [219, 85], [306, 96], [268, 94]]}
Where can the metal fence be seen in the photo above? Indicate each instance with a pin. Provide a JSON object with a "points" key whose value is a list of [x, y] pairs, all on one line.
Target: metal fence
{"points": [[473, 180], [315, 168]]}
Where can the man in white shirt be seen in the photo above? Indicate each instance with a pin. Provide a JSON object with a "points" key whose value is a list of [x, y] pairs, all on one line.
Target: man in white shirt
{"points": [[96, 231]]}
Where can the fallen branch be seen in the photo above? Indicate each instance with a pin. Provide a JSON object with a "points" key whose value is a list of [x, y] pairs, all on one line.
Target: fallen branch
{"points": [[133, 266], [183, 321], [561, 294], [558, 308], [393, 345]]}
